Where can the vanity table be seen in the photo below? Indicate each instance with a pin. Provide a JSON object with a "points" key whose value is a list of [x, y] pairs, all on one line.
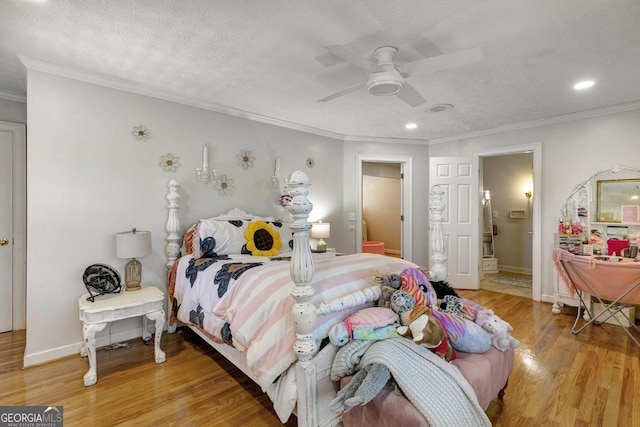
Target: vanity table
{"points": [[607, 289], [600, 203]]}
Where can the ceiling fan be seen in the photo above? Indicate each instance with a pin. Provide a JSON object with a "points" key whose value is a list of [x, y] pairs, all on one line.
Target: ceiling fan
{"points": [[387, 78]]}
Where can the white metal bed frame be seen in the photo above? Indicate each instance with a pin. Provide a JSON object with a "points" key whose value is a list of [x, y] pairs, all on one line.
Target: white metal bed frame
{"points": [[314, 387]]}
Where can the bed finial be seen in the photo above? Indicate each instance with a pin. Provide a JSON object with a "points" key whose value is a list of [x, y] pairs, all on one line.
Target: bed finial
{"points": [[173, 224], [302, 268]]}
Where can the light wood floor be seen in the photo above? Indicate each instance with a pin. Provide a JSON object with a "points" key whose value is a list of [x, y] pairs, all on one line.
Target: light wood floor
{"points": [[559, 379], [486, 283]]}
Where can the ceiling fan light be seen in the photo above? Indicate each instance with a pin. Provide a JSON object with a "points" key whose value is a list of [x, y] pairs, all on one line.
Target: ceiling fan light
{"points": [[385, 83]]}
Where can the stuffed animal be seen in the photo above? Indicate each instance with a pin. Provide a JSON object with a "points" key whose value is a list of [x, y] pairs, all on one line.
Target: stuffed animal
{"points": [[402, 302], [417, 285], [461, 307], [389, 283], [498, 329], [364, 386], [371, 324], [441, 287], [426, 330], [464, 335]]}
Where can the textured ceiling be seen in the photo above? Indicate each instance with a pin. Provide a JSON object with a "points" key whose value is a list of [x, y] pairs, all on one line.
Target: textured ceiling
{"points": [[266, 57]]}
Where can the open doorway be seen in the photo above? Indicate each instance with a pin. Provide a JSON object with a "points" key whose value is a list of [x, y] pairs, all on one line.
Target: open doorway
{"points": [[382, 208], [507, 189], [381, 171], [516, 205]]}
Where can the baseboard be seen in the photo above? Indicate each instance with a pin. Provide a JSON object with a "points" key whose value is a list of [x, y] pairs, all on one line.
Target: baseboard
{"points": [[393, 251], [509, 269], [52, 354]]}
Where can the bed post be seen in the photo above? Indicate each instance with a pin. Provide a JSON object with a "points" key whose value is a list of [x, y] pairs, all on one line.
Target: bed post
{"points": [[172, 249], [302, 271], [173, 224], [438, 270], [302, 268]]}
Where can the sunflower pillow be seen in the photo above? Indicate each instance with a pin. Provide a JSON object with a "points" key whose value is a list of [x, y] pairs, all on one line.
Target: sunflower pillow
{"points": [[262, 239]]}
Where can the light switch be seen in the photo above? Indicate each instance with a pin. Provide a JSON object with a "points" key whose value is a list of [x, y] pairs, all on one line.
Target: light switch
{"points": [[495, 214]]}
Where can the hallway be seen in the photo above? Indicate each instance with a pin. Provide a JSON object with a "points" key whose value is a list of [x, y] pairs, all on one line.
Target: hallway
{"points": [[488, 284]]}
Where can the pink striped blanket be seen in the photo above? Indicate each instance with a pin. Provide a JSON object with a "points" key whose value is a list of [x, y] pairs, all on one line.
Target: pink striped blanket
{"points": [[246, 301]]}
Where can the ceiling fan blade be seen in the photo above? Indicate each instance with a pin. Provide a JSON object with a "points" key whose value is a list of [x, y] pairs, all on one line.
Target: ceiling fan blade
{"points": [[344, 91], [448, 60], [349, 56], [410, 95]]}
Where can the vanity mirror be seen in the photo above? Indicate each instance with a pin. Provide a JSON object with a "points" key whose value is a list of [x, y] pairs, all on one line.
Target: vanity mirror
{"points": [[618, 200], [613, 188]]}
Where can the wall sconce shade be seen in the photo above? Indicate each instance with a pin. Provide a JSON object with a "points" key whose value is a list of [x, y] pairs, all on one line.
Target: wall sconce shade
{"points": [[133, 244], [321, 230]]}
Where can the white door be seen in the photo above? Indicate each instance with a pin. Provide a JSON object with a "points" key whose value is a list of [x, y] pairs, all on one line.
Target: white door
{"points": [[459, 178], [6, 232]]}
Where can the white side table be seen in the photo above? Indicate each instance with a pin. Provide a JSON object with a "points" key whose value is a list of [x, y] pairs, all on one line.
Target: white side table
{"points": [[147, 302]]}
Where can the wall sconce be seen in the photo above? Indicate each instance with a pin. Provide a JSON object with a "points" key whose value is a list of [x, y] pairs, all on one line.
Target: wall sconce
{"points": [[528, 190], [205, 174], [133, 244], [279, 184], [486, 196], [321, 230], [275, 179]]}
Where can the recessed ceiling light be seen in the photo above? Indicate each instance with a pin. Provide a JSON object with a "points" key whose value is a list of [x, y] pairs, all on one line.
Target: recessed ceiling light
{"points": [[411, 125], [439, 108], [585, 84]]}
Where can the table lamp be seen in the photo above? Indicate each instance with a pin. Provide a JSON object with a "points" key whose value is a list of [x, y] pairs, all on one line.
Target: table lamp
{"points": [[321, 230], [133, 244]]}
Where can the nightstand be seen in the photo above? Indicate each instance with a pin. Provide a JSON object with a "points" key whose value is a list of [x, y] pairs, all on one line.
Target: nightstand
{"points": [[147, 302]]}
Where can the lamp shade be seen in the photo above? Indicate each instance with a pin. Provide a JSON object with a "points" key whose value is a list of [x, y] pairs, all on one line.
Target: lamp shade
{"points": [[321, 230], [133, 244]]}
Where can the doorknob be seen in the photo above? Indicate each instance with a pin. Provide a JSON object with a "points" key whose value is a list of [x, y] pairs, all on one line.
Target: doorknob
{"points": [[4, 242]]}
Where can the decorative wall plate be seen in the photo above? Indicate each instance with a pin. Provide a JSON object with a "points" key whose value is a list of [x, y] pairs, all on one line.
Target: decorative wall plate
{"points": [[223, 185], [169, 162], [141, 133], [245, 159]]}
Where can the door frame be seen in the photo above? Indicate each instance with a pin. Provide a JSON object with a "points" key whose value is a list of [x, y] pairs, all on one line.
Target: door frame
{"points": [[19, 247], [536, 249], [406, 162]]}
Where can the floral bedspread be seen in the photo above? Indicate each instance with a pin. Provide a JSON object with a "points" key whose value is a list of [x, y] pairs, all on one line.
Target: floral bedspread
{"points": [[246, 301]]}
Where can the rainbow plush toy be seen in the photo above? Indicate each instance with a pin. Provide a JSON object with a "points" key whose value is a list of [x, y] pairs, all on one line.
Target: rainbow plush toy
{"points": [[417, 285]]}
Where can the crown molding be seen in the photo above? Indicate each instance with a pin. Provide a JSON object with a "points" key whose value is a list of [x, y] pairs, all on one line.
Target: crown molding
{"points": [[629, 106], [12, 96], [119, 84], [389, 140]]}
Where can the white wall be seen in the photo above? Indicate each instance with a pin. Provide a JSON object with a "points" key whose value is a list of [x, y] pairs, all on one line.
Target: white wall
{"points": [[13, 111], [88, 178], [571, 152]]}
